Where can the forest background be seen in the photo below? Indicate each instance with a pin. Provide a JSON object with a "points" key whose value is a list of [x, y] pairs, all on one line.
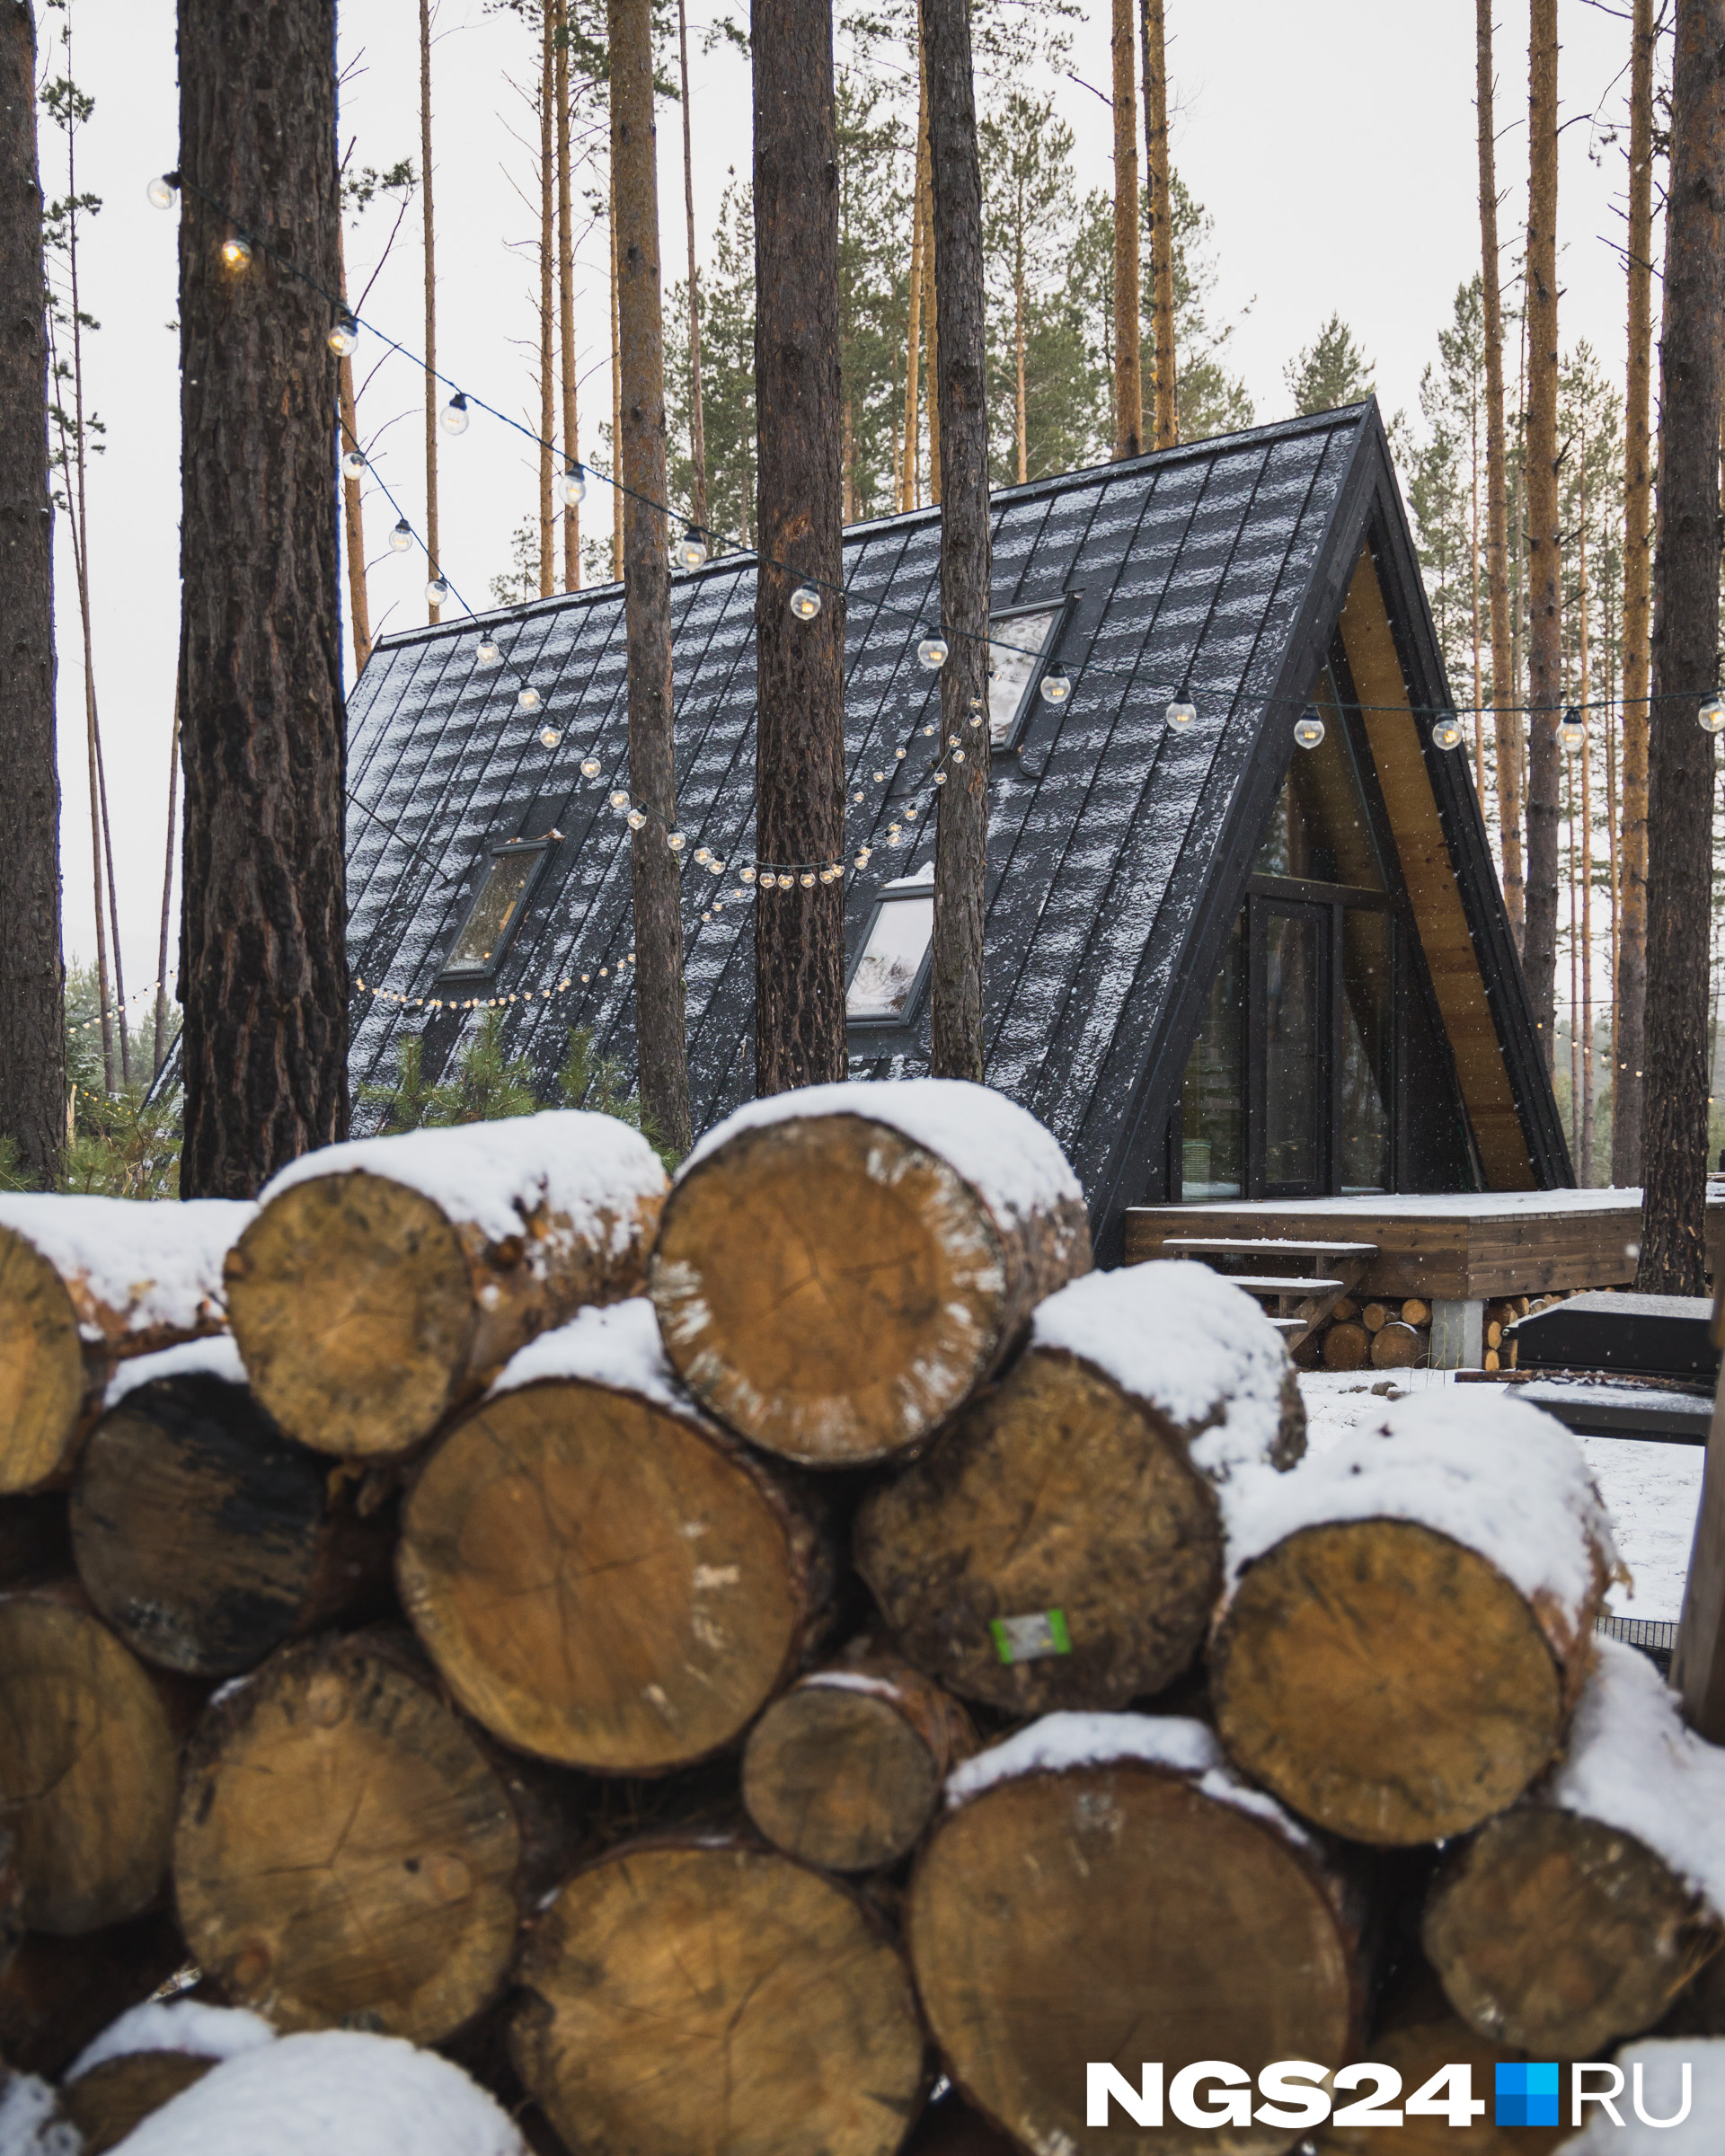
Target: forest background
{"points": [[1327, 245]]}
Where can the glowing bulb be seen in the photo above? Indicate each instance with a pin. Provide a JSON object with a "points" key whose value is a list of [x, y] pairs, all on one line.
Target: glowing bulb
{"points": [[691, 549], [931, 653], [703, 854], [237, 252], [1711, 714], [488, 653], [402, 537], [636, 819], [529, 700], [808, 881], [575, 482], [769, 882], [1572, 729], [353, 464], [805, 602], [676, 841], [590, 767], [549, 736], [745, 875], [1181, 714], [344, 336], [160, 192], [1446, 730], [436, 592], [456, 415], [619, 799], [1308, 729], [957, 755], [1055, 686], [940, 778]]}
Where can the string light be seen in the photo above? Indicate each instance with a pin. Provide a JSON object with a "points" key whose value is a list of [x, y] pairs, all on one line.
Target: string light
{"points": [[1181, 714], [549, 736], [353, 463], [1308, 729], [636, 819], [575, 482], [236, 251], [162, 191], [343, 338], [805, 602], [1055, 686], [529, 700], [488, 652], [691, 549], [437, 592], [456, 418], [402, 537], [1572, 729], [745, 875], [619, 799], [676, 841], [1711, 714], [1446, 731], [590, 767], [931, 653]]}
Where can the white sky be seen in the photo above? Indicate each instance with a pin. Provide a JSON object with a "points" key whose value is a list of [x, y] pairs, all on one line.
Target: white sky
{"points": [[1332, 140]]}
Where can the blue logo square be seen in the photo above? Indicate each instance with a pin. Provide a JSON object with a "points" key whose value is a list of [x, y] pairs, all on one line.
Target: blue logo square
{"points": [[1527, 2095]]}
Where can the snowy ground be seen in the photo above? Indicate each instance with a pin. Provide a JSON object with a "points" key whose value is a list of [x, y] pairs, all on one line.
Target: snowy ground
{"points": [[1651, 1489]]}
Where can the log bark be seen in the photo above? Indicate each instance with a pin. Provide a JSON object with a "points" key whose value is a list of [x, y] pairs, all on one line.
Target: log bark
{"points": [[207, 1539], [89, 1755], [263, 971], [1161, 228], [57, 1994], [1060, 1547], [712, 1996], [799, 1035], [1685, 666], [1128, 378], [660, 1050], [1118, 1896], [832, 1290], [384, 1288], [32, 975], [606, 1579], [844, 1769], [345, 1849], [106, 2103], [959, 372]]}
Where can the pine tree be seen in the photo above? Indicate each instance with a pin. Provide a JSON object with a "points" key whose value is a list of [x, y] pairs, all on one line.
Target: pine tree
{"points": [[1332, 371]]}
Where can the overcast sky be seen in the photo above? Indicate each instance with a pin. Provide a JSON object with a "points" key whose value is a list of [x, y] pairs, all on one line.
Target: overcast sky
{"points": [[1332, 141]]}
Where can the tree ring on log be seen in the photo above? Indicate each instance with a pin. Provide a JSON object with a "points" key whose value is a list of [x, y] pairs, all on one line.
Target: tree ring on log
{"points": [[88, 1767], [1117, 1912], [42, 1376], [840, 1778], [307, 1856], [1386, 1681], [717, 1999], [601, 1582]]}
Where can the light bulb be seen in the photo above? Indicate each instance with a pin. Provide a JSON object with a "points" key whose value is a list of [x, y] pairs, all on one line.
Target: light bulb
{"points": [[1181, 712], [1055, 686], [529, 700], [691, 549], [1446, 730], [805, 602], [549, 736], [436, 592], [676, 841], [1711, 714], [575, 482], [237, 252], [402, 537], [769, 882], [590, 767], [932, 653], [620, 800], [1572, 729], [745, 875], [456, 415], [161, 191], [343, 337], [1308, 729], [703, 854], [488, 653], [940, 778], [636, 819], [353, 464], [808, 880]]}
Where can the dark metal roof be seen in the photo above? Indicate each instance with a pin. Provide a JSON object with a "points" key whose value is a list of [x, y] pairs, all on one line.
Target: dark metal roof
{"points": [[1220, 566]]}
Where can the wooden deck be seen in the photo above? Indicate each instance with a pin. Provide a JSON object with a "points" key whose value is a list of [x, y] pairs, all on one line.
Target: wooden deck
{"points": [[1468, 1248]]}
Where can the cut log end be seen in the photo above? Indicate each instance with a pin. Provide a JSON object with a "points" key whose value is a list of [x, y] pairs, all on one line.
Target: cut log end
{"points": [[1418, 2050], [1347, 1345], [601, 1582], [106, 2103], [1385, 1682], [715, 1998], [345, 1856], [43, 1380], [1398, 1347], [1561, 1935], [833, 1291], [1057, 1549], [88, 1767]]}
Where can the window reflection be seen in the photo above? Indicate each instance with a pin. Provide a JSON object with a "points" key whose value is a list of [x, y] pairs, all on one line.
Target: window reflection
{"points": [[1367, 980], [1013, 659], [1294, 1088], [1212, 1147], [1319, 828], [479, 944], [886, 975]]}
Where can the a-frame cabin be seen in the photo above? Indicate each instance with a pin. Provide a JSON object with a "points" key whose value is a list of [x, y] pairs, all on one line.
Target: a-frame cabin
{"points": [[1220, 964]]}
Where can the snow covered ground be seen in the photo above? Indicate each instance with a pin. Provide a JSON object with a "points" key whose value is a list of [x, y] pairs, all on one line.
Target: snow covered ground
{"points": [[1651, 1489]]}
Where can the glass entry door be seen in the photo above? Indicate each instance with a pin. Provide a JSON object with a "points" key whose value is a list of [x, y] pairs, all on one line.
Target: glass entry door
{"points": [[1291, 960]]}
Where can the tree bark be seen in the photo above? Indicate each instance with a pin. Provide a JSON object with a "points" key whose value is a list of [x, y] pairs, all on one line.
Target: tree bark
{"points": [[547, 303], [909, 488], [1544, 639], [1685, 659], [930, 309], [1631, 980], [799, 665], [264, 968], [1129, 377], [961, 831], [33, 975], [1162, 229], [353, 513], [617, 495], [660, 1046], [698, 426], [428, 226], [159, 1044], [566, 297], [1506, 721]]}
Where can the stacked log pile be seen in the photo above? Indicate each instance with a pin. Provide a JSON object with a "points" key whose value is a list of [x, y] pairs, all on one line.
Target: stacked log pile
{"points": [[798, 1660]]}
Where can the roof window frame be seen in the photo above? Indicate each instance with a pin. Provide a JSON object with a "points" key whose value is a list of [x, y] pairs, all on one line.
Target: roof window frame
{"points": [[896, 893], [538, 851], [1061, 607]]}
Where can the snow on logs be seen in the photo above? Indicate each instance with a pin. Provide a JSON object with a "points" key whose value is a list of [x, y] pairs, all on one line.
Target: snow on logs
{"points": [[706, 1994], [602, 1575], [1408, 1616], [145, 2059], [838, 1267], [1062, 1546], [85, 1282], [1575, 1918], [386, 1280], [1109, 1872]]}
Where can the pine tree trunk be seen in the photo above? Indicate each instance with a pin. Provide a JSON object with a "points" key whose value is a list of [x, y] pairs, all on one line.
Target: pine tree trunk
{"points": [[617, 496], [697, 424], [353, 511], [1638, 562], [799, 665], [428, 226], [909, 488], [263, 971], [958, 360], [1128, 378], [105, 1006], [566, 296], [931, 307], [160, 1044], [662, 1054], [1686, 660], [113, 891], [1022, 412], [32, 976], [1584, 1163], [547, 303], [1162, 228], [1544, 638]]}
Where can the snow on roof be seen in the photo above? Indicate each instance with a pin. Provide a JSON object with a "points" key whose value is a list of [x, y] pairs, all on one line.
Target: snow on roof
{"points": [[1657, 2069], [999, 1148], [618, 1345], [1493, 1474], [1183, 1338], [156, 1260], [187, 2025], [216, 1355], [329, 2093], [573, 1163], [1066, 1743], [1633, 1763]]}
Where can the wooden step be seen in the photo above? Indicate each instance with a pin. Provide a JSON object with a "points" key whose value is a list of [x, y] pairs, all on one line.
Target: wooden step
{"points": [[1292, 1329], [1281, 1284], [1267, 1246]]}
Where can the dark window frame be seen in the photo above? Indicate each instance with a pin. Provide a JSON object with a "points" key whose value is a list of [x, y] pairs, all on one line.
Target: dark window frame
{"points": [[905, 1020], [1061, 608], [538, 851]]}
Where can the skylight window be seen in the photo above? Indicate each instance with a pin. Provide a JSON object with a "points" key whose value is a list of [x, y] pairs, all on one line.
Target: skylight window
{"points": [[888, 976], [495, 913], [1015, 655]]}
